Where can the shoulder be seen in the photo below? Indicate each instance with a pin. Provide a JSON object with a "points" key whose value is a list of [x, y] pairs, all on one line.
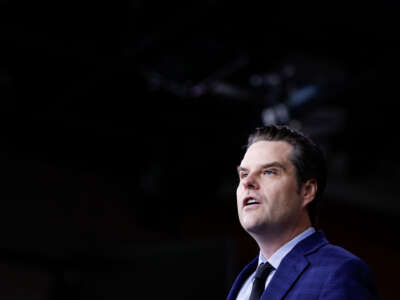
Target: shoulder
{"points": [[319, 252], [339, 264], [347, 276], [341, 259], [341, 273], [317, 246], [329, 253]]}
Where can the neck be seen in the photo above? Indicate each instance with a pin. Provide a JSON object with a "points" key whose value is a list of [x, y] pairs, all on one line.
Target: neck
{"points": [[271, 242]]}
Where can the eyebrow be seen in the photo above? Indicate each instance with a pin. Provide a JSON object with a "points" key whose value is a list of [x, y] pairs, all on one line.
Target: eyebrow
{"points": [[265, 166]]}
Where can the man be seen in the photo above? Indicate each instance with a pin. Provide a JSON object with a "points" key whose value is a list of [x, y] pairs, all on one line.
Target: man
{"points": [[282, 179]]}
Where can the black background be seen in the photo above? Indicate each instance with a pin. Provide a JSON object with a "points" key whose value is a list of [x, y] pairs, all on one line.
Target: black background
{"points": [[119, 143]]}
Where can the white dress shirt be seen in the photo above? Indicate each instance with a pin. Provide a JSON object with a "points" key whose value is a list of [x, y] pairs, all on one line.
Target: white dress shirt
{"points": [[274, 260]]}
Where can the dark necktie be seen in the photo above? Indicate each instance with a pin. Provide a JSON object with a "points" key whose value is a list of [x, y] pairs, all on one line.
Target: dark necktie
{"points": [[262, 273]]}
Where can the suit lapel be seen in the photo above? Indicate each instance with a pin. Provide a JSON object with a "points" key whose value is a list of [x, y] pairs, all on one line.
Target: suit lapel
{"points": [[242, 277], [289, 270], [286, 275], [292, 266]]}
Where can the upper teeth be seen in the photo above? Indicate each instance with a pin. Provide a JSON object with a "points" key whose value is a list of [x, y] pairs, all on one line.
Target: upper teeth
{"points": [[251, 201]]}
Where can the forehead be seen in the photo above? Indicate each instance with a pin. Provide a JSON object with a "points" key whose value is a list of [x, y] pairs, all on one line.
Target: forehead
{"points": [[263, 152]]}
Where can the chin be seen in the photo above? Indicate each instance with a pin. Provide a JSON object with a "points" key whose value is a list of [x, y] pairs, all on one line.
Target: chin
{"points": [[255, 228]]}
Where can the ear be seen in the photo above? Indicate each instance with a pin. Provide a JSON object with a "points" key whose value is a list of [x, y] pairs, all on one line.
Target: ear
{"points": [[309, 191]]}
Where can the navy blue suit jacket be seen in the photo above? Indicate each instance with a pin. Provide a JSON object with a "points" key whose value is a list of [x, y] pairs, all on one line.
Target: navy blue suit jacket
{"points": [[315, 269]]}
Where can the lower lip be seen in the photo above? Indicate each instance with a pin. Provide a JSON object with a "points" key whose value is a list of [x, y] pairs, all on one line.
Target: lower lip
{"points": [[251, 207]]}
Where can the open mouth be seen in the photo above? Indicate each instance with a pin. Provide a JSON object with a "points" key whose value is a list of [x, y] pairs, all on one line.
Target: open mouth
{"points": [[251, 201]]}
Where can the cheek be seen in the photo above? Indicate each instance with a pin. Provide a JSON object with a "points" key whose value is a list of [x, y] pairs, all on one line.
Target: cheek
{"points": [[272, 193], [291, 200], [278, 196]]}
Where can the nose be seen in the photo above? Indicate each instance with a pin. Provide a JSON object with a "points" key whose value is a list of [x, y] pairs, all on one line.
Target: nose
{"points": [[250, 182]]}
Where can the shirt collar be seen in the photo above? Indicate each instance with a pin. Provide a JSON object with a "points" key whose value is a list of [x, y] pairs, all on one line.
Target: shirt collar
{"points": [[278, 256]]}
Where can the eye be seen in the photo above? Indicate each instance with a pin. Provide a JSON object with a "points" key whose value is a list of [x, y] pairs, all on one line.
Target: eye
{"points": [[269, 172], [242, 175]]}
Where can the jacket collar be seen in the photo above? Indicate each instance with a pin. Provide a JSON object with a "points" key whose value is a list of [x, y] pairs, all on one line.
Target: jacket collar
{"points": [[293, 265]]}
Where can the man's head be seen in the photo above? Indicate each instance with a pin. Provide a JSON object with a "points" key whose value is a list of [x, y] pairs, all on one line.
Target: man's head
{"points": [[285, 173]]}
